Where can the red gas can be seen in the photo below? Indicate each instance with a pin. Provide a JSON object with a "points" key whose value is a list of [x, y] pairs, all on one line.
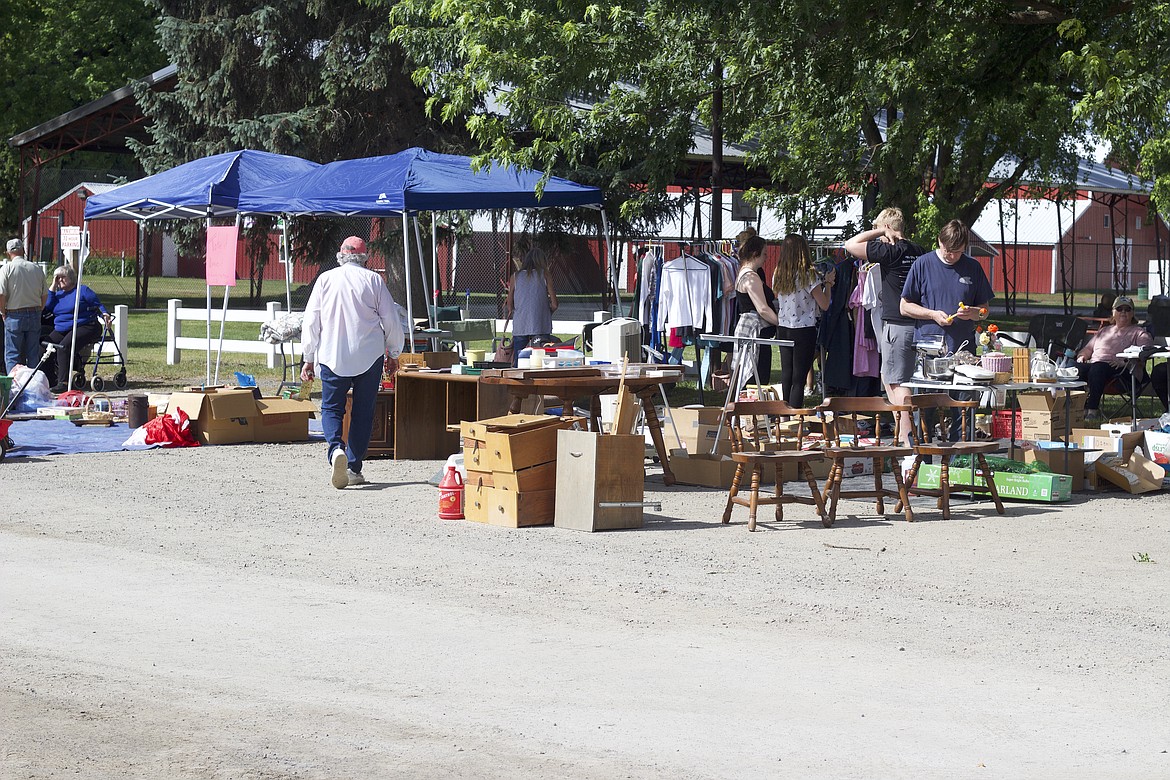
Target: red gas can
{"points": [[451, 495]]}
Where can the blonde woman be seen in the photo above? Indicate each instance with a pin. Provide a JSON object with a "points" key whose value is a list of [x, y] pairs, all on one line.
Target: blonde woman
{"points": [[801, 295]]}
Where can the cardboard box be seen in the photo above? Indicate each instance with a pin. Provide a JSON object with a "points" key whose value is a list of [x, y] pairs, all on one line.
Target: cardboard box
{"points": [[1046, 488], [1157, 445], [594, 470], [1135, 473], [715, 471], [698, 429], [282, 419], [219, 416], [701, 440], [1043, 415], [1054, 458], [687, 417], [1101, 442], [1126, 425]]}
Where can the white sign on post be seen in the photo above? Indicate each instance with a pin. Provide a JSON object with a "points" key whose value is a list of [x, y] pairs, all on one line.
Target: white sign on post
{"points": [[70, 239]]}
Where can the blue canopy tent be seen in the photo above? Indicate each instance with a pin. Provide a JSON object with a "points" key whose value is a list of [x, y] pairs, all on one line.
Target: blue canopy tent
{"points": [[201, 189], [208, 187], [411, 181]]}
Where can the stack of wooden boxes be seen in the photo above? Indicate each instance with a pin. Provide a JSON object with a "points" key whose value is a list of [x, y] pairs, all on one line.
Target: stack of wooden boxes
{"points": [[511, 469]]}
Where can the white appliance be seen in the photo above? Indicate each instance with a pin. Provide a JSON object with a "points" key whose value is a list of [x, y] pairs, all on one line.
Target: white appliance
{"points": [[613, 339]]}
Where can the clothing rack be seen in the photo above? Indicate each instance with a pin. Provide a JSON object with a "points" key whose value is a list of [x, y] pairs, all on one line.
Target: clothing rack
{"points": [[737, 367]]}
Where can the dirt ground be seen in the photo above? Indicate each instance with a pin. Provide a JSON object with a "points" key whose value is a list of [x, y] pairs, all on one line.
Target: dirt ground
{"points": [[223, 612]]}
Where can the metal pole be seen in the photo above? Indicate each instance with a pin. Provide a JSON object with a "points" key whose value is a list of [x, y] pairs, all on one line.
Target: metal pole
{"points": [[286, 251], [222, 319], [207, 311], [435, 258], [82, 254], [422, 268], [406, 267], [609, 256]]}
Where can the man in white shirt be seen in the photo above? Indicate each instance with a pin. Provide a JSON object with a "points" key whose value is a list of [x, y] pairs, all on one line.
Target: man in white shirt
{"points": [[351, 325]]}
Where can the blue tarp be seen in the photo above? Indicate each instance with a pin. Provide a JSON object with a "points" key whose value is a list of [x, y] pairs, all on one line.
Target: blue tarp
{"points": [[413, 180], [210, 186]]}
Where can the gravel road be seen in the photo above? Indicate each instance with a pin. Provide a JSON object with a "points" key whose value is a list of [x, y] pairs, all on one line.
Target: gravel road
{"points": [[222, 612]]}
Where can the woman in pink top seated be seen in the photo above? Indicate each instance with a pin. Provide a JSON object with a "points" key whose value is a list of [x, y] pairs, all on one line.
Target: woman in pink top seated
{"points": [[1097, 361]]}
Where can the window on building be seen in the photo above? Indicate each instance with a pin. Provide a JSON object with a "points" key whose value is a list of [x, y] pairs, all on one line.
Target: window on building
{"points": [[1106, 220]]}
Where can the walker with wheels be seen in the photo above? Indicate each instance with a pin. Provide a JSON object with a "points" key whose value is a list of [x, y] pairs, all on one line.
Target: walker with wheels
{"points": [[118, 360]]}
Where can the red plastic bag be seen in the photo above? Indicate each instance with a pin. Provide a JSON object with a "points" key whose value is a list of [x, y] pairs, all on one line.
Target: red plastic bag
{"points": [[170, 430], [74, 398]]}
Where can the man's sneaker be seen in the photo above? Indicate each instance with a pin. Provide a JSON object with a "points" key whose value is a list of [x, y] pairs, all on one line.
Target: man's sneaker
{"points": [[355, 478], [339, 479]]}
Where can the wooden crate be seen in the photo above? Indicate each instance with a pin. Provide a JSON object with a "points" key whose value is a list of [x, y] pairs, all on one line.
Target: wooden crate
{"points": [[593, 469], [508, 508], [513, 442], [539, 477]]}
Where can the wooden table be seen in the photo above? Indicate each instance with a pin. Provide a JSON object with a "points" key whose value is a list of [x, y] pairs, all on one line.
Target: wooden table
{"points": [[425, 403], [569, 385]]}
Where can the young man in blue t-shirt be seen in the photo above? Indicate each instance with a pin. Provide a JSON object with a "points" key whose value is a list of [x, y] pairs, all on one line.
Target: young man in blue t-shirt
{"points": [[947, 292], [939, 282]]}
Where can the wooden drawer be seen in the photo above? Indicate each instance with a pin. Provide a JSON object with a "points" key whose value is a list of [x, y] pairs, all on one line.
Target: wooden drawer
{"points": [[508, 508], [541, 477], [504, 450]]}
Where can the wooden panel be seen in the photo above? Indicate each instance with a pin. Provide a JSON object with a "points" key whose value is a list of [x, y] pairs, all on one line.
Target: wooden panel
{"points": [[476, 500], [593, 469], [420, 431], [382, 433], [425, 404]]}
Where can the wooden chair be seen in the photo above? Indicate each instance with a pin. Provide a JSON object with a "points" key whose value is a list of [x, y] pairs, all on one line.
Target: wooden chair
{"points": [[837, 451], [754, 426], [926, 446]]}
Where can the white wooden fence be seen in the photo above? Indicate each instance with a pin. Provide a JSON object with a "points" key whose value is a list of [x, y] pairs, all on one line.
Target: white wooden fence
{"points": [[177, 342]]}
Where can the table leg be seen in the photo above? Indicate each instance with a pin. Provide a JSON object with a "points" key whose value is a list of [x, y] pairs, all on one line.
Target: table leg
{"points": [[655, 426], [1133, 391], [1067, 428]]}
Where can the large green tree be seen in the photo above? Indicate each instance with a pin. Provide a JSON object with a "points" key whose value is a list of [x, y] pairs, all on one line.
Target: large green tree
{"points": [[57, 55], [320, 80], [915, 104]]}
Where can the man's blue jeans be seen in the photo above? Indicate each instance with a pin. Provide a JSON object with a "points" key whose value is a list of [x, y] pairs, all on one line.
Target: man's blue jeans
{"points": [[22, 338], [361, 411]]}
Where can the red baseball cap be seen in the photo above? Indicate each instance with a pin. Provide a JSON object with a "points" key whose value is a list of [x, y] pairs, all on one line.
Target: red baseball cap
{"points": [[353, 246]]}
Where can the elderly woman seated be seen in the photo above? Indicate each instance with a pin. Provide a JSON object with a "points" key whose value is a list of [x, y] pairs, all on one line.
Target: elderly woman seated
{"points": [[1097, 361], [91, 317]]}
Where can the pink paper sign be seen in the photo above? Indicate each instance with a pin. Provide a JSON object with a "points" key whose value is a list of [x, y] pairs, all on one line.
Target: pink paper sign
{"points": [[221, 255]]}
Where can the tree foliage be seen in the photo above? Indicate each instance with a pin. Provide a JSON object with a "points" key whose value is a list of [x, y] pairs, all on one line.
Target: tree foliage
{"points": [[56, 56], [317, 79], [915, 104]]}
